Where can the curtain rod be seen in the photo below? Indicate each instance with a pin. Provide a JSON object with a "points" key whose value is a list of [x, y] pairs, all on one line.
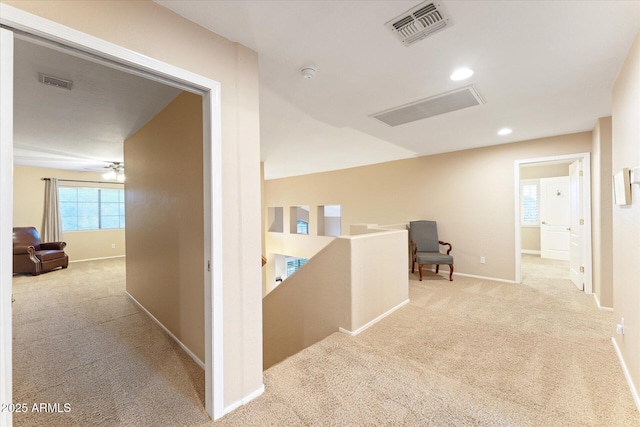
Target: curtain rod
{"points": [[80, 180]]}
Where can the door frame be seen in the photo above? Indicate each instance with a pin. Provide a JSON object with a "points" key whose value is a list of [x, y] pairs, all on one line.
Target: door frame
{"points": [[586, 209], [98, 50]]}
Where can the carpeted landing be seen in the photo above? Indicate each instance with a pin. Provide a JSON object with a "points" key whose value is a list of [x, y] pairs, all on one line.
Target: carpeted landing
{"points": [[464, 353]]}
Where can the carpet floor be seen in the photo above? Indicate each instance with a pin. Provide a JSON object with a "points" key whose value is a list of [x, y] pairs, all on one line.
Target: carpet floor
{"points": [[464, 353]]}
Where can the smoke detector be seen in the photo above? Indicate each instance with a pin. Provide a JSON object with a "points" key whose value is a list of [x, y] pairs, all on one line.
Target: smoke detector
{"points": [[308, 72]]}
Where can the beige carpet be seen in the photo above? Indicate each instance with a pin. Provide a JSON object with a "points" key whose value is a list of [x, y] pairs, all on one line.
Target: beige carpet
{"points": [[462, 353], [79, 339]]}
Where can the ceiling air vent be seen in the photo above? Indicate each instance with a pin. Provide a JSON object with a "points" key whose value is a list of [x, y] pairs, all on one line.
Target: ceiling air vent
{"points": [[439, 104], [55, 81], [419, 22]]}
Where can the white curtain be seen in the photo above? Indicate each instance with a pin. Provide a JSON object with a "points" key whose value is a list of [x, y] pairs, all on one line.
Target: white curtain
{"points": [[51, 222]]}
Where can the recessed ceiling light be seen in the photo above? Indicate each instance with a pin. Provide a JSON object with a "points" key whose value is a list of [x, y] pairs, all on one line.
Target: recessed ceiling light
{"points": [[504, 131], [461, 74]]}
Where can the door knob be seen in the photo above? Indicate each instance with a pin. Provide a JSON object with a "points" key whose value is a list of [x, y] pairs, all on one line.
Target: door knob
{"points": [[568, 228], [544, 222]]}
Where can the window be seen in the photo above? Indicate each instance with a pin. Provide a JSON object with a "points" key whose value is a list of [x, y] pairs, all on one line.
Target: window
{"points": [[84, 208], [302, 227], [299, 220], [529, 206], [293, 264]]}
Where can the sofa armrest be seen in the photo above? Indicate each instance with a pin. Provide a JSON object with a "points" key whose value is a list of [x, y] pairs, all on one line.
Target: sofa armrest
{"points": [[53, 246], [24, 250]]}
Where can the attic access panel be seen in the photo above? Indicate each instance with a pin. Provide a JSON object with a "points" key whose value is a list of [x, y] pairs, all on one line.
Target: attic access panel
{"points": [[435, 105]]}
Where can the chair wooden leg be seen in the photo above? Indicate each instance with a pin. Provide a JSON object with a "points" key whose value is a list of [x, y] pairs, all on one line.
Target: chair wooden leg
{"points": [[437, 268], [420, 271], [451, 273]]}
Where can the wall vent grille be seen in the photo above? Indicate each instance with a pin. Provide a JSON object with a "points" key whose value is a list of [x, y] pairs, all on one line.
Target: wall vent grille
{"points": [[55, 81], [419, 22], [435, 105]]}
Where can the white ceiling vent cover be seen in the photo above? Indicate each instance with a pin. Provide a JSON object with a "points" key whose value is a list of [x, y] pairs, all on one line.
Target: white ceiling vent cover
{"points": [[55, 81], [439, 104], [419, 22]]}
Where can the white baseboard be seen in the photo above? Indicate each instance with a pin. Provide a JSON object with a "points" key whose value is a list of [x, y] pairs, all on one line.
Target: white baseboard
{"points": [[244, 400], [377, 319], [598, 304], [96, 259], [627, 375], [530, 252], [455, 273], [182, 346], [494, 279]]}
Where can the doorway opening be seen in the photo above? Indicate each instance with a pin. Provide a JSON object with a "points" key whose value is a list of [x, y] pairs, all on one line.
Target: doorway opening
{"points": [[553, 218], [17, 24]]}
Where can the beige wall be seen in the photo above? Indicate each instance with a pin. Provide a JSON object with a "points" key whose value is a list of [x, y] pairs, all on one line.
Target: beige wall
{"points": [[149, 29], [626, 220], [601, 212], [470, 193], [379, 280], [308, 306], [28, 208], [165, 219], [348, 284], [530, 236], [537, 171]]}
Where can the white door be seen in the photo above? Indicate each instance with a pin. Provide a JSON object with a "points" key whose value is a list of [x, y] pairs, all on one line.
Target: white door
{"points": [[555, 218], [577, 225]]}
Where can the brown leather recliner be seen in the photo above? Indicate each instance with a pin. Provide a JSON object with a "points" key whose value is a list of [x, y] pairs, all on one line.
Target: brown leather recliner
{"points": [[31, 256]]}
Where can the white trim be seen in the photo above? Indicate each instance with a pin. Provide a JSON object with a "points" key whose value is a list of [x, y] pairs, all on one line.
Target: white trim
{"points": [[213, 255], [97, 259], [376, 320], [598, 303], [6, 220], [182, 346], [586, 212], [530, 252], [627, 375], [493, 279], [455, 273], [244, 400], [118, 56]]}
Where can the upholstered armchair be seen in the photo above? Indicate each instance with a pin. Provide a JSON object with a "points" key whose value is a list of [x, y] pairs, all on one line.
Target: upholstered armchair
{"points": [[425, 247], [32, 256]]}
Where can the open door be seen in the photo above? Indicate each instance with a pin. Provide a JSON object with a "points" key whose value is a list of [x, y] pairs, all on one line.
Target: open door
{"points": [[579, 223], [576, 234], [555, 218]]}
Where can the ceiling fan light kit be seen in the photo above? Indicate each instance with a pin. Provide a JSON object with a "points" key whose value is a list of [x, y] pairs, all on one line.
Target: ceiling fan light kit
{"points": [[115, 172]]}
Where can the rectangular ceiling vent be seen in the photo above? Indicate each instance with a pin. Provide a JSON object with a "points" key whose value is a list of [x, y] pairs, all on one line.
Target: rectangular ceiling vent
{"points": [[435, 105], [54, 81], [419, 22]]}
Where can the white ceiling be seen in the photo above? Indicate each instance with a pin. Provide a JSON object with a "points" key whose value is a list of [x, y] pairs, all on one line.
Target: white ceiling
{"points": [[543, 67], [83, 128]]}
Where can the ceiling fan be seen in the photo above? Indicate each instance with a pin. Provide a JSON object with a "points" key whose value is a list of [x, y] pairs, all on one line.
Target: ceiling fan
{"points": [[115, 171]]}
